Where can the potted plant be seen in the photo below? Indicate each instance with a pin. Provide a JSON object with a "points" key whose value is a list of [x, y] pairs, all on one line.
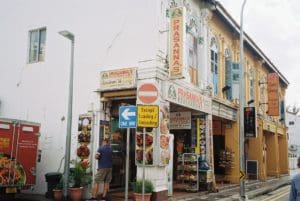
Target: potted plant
{"points": [[138, 188], [57, 191], [78, 178]]}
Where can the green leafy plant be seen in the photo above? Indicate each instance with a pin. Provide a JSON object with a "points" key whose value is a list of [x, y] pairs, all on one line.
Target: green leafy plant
{"points": [[79, 177], [138, 186], [59, 186]]}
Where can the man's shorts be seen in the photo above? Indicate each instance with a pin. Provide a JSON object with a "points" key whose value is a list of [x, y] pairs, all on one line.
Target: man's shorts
{"points": [[103, 175]]}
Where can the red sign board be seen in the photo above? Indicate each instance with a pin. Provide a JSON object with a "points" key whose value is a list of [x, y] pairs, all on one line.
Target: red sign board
{"points": [[273, 102], [147, 93]]}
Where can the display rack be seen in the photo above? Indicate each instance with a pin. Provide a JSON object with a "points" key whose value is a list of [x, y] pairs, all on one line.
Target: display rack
{"points": [[188, 173], [226, 159]]}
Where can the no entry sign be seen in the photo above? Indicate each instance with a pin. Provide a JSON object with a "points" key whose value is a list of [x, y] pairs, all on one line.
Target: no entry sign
{"points": [[147, 93]]}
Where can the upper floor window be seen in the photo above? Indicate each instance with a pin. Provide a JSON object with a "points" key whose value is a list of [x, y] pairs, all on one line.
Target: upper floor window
{"points": [[227, 89], [37, 39], [214, 64], [251, 83], [193, 58]]}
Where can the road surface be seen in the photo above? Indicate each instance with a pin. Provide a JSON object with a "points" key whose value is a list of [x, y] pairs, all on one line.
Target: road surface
{"points": [[281, 194]]}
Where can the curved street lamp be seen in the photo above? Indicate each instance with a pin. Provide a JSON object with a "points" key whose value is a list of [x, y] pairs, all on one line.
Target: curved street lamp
{"points": [[71, 37], [242, 104]]}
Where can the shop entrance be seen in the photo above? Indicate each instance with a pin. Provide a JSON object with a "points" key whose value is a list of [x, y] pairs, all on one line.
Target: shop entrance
{"points": [[118, 142], [189, 157], [219, 145]]}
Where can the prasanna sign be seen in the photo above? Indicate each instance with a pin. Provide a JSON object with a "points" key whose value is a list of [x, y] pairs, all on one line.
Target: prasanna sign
{"points": [[177, 30]]}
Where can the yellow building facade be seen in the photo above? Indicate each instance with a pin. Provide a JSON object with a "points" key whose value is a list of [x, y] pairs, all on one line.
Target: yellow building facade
{"points": [[267, 154]]}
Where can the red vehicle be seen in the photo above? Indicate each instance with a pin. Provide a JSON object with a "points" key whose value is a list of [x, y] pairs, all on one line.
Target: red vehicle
{"points": [[18, 154]]}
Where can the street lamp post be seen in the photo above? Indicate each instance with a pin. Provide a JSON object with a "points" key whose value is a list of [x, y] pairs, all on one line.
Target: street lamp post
{"points": [[242, 103], [71, 37]]}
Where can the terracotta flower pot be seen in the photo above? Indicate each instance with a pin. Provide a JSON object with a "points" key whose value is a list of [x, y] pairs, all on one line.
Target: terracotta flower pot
{"points": [[58, 194], [76, 193], [139, 196]]}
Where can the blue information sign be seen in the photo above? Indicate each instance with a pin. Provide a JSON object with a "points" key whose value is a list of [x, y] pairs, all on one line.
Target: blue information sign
{"points": [[127, 117]]}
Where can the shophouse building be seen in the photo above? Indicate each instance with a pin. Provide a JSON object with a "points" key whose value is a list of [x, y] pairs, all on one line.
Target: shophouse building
{"points": [[175, 59], [265, 152]]}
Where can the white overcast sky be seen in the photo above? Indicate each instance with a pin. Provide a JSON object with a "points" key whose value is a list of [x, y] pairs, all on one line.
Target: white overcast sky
{"points": [[274, 25]]}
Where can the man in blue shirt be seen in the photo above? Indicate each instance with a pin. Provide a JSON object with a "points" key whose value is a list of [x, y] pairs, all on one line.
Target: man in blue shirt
{"points": [[295, 186], [104, 173]]}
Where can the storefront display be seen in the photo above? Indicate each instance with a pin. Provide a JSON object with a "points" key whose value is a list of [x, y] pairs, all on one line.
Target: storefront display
{"points": [[188, 171], [148, 148], [84, 139], [201, 135], [226, 159], [164, 138]]}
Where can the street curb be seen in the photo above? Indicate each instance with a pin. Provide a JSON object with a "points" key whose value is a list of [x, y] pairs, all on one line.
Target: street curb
{"points": [[267, 189]]}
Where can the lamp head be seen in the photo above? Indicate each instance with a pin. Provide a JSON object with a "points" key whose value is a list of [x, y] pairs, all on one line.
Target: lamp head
{"points": [[67, 34]]}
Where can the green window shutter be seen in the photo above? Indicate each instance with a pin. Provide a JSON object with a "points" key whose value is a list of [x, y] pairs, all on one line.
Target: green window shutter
{"points": [[235, 80], [228, 79]]}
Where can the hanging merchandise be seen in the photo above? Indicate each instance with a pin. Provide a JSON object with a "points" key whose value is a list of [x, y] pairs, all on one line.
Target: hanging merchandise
{"points": [[187, 171], [226, 158], [201, 138]]}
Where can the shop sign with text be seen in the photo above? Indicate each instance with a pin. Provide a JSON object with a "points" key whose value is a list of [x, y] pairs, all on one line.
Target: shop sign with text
{"points": [[188, 98], [147, 116], [180, 120], [269, 126], [249, 122], [177, 30], [273, 102], [118, 79]]}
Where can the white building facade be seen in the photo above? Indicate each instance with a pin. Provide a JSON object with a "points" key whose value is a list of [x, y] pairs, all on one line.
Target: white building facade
{"points": [[35, 62], [293, 122]]}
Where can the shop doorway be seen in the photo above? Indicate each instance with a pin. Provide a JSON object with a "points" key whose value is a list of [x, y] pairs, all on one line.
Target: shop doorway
{"points": [[182, 141], [118, 140], [219, 145]]}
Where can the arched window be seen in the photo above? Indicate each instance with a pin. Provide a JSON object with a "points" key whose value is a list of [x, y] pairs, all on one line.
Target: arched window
{"points": [[214, 64], [227, 89]]}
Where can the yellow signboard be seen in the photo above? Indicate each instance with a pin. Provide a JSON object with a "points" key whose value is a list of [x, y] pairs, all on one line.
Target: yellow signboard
{"points": [[147, 116]]}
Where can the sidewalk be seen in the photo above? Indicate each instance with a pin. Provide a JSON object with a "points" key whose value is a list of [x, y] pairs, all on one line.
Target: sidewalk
{"points": [[254, 188]]}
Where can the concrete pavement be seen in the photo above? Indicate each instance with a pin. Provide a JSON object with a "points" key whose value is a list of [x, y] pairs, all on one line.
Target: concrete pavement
{"points": [[253, 189]]}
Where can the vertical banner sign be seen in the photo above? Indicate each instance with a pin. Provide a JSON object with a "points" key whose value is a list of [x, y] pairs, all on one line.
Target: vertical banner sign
{"points": [[249, 122], [177, 29], [164, 136], [84, 139], [273, 102]]}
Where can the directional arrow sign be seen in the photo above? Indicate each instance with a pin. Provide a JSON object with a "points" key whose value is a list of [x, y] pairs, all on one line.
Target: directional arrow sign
{"points": [[127, 117], [242, 175], [127, 114]]}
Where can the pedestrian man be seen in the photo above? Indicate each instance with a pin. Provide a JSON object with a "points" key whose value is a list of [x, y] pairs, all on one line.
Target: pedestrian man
{"points": [[295, 186], [104, 172]]}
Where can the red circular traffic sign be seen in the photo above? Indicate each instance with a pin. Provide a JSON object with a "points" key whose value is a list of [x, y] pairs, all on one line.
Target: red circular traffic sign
{"points": [[147, 93]]}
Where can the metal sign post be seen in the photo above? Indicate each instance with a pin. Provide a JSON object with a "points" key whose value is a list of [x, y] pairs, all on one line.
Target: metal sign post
{"points": [[127, 119], [127, 164], [144, 151]]}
